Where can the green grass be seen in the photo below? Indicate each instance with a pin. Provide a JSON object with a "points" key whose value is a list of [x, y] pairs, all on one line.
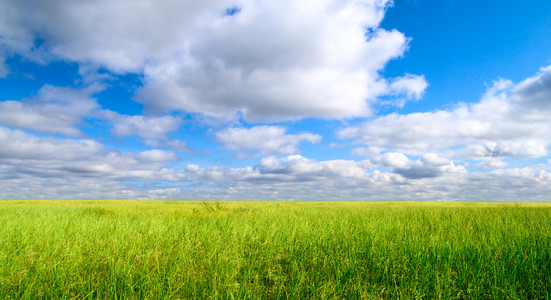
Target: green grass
{"points": [[251, 250]]}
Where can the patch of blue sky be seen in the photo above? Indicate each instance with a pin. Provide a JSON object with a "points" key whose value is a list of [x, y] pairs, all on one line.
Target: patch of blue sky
{"points": [[175, 184], [462, 46], [119, 95], [125, 144], [230, 11], [25, 77], [540, 162], [326, 148], [137, 183]]}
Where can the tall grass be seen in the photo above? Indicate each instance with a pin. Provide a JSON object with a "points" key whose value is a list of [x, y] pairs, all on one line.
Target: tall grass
{"points": [[250, 250]]}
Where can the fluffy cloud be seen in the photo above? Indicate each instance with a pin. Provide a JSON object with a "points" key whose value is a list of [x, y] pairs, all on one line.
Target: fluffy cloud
{"points": [[118, 35], [148, 128], [264, 139], [509, 121], [296, 177], [26, 153], [393, 160], [304, 60], [248, 184], [491, 164], [428, 166], [55, 110], [301, 168], [261, 61], [533, 94], [412, 86], [19, 145], [406, 88], [266, 61], [59, 111], [152, 130], [38, 167]]}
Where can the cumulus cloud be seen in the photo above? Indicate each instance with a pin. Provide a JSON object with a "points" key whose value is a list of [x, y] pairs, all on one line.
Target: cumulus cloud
{"points": [[26, 154], [531, 97], [281, 170], [365, 151], [429, 165], [60, 111], [404, 89], [247, 183], [393, 160], [411, 85], [118, 35], [262, 62], [509, 121], [491, 164], [266, 61], [152, 130], [264, 139], [304, 60], [55, 110], [15, 37], [524, 149], [39, 167], [17, 144], [301, 168], [148, 128]]}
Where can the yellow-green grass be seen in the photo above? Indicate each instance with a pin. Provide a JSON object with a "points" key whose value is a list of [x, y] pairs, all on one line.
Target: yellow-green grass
{"points": [[318, 250]]}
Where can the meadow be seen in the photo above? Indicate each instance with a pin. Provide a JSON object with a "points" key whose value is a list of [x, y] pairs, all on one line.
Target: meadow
{"points": [[262, 250]]}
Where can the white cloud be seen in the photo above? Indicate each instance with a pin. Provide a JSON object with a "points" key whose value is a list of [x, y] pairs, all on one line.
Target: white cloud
{"points": [[28, 155], [36, 167], [300, 168], [152, 130], [524, 149], [532, 96], [509, 121], [366, 151], [19, 145], [305, 60], [148, 128], [429, 165], [14, 35], [393, 160], [156, 156], [178, 145], [491, 164], [413, 86], [118, 35], [55, 110], [59, 111], [264, 139], [296, 177], [270, 61], [407, 88]]}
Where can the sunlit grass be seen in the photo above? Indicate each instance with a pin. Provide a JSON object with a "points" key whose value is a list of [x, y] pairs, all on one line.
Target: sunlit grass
{"points": [[162, 249]]}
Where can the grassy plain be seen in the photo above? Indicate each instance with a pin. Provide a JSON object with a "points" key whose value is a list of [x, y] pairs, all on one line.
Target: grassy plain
{"points": [[249, 250]]}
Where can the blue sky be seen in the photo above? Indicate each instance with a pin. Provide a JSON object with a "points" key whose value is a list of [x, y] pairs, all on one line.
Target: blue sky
{"points": [[311, 100]]}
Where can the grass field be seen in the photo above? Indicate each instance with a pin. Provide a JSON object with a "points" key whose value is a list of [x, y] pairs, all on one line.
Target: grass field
{"points": [[154, 249]]}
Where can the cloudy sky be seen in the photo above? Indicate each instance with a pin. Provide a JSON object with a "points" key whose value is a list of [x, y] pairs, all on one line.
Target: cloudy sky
{"points": [[287, 99]]}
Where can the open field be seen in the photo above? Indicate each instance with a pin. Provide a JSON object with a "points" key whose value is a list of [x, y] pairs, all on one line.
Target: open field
{"points": [[154, 249]]}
